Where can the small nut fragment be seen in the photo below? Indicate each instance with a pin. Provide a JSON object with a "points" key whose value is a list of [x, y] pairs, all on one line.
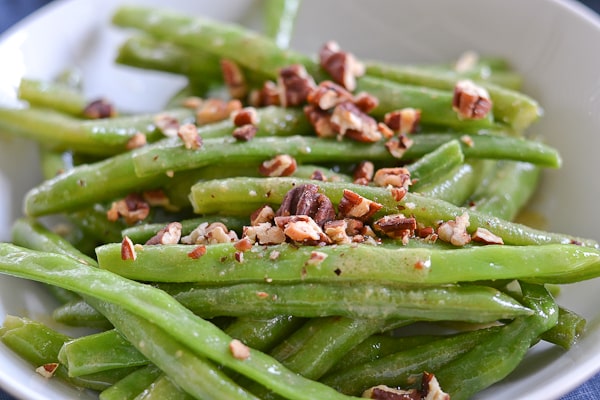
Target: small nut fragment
{"points": [[192, 102], [215, 110], [234, 78], [136, 141], [47, 370], [305, 199], [383, 392], [396, 226], [245, 132], [336, 231], [212, 233], [244, 244], [268, 95], [397, 146], [188, 133], [320, 120], [342, 66], [239, 350], [316, 258], [132, 208], [170, 234], [353, 205], [264, 233], [403, 121], [167, 124], [349, 120], [363, 173], [468, 140], [482, 235], [302, 229], [280, 165], [318, 175], [328, 95], [157, 198], [100, 108], [366, 102], [398, 177], [471, 101], [245, 116], [263, 214], [197, 252], [128, 249], [455, 232], [294, 85]]}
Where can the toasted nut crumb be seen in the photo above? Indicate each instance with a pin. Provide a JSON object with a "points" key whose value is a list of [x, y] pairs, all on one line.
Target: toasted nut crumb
{"points": [[268, 95], [354, 227], [430, 388], [363, 173], [280, 165], [274, 255], [403, 121], [302, 229], [320, 121], [197, 252], [455, 232], [316, 258], [305, 199], [397, 146], [398, 177], [239, 256], [263, 214], [167, 124], [328, 95], [47, 370], [342, 66], [192, 102], [239, 350], [470, 100], [294, 84], [468, 140], [244, 244], [397, 226], [156, 198], [170, 234], [398, 193], [356, 206], [318, 175], [234, 78], [132, 208], [482, 235], [245, 116], [127, 249], [136, 141], [385, 130], [264, 233], [366, 102], [188, 133], [245, 132], [262, 295], [215, 110], [349, 120], [336, 231], [383, 392], [212, 233], [98, 109]]}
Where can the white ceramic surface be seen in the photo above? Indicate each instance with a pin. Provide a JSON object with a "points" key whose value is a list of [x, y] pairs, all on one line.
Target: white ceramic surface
{"points": [[554, 44]]}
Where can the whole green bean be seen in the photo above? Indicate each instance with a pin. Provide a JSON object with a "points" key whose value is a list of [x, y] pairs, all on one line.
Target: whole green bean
{"points": [[552, 263], [163, 389], [200, 336], [279, 17], [239, 196], [78, 312], [131, 385], [432, 164], [263, 333], [454, 186], [53, 95]]}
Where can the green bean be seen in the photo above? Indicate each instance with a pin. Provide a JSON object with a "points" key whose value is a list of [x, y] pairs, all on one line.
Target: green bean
{"points": [[163, 389], [356, 300], [445, 157], [486, 364], [509, 106], [99, 352], [94, 223], [131, 385], [399, 368], [55, 162], [552, 263], [455, 186], [39, 345], [143, 301], [54, 95], [78, 312], [567, 331], [96, 137], [243, 196], [263, 333], [508, 190], [279, 17]]}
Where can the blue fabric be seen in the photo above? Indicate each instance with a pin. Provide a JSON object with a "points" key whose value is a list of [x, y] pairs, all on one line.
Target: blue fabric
{"points": [[12, 11]]}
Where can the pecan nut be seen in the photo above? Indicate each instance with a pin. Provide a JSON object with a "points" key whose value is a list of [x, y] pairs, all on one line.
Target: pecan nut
{"points": [[353, 205], [234, 79], [294, 85], [342, 66], [405, 120], [455, 232], [188, 133], [348, 120], [98, 109], [320, 121], [170, 234], [280, 165], [305, 199], [328, 95], [363, 173], [471, 101]]}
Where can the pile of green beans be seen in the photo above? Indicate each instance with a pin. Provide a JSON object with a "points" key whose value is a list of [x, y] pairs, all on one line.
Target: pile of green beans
{"points": [[290, 320]]}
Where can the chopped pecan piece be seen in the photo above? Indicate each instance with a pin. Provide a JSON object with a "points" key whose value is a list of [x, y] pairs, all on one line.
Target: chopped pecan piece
{"points": [[280, 165], [336, 231], [383, 392], [264, 233], [157, 198], [430, 388], [356, 206], [132, 208], [128, 249], [385, 130], [197, 252], [341, 65], [405, 120], [234, 79], [244, 244], [328, 95], [318, 175], [167, 124], [397, 146], [136, 141], [245, 116], [363, 173], [482, 235], [320, 120], [188, 133], [47, 370], [398, 177], [468, 140], [245, 132], [294, 85], [455, 232], [470, 100], [305, 199], [268, 95], [316, 258], [212, 233], [302, 229], [99, 109], [396, 226], [170, 234], [263, 214], [349, 120], [215, 110], [366, 102], [239, 350], [192, 102]]}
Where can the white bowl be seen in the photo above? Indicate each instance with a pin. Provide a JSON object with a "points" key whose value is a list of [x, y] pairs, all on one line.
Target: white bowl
{"points": [[554, 44]]}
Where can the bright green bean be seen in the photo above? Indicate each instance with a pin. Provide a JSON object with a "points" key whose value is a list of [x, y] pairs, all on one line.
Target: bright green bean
{"points": [[131, 385]]}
